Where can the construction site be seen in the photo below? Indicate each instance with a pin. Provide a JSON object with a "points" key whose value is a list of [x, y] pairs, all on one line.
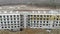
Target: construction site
{"points": [[29, 16]]}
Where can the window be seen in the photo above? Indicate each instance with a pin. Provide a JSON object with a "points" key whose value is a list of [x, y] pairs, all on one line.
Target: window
{"points": [[7, 19], [8, 22], [53, 25], [40, 21], [10, 15], [37, 21], [46, 24], [11, 21], [21, 15], [17, 18], [7, 16], [4, 16], [0, 16], [47, 15], [28, 18], [14, 21], [37, 26], [14, 16], [1, 22], [40, 15], [17, 15], [59, 24], [47, 21], [37, 15], [43, 21], [47, 18], [4, 19], [31, 15], [40, 26], [11, 26], [56, 24], [2, 27], [37, 18], [14, 24], [17, 21], [34, 21], [28, 15], [43, 24], [34, 15], [44, 15], [8, 27], [28, 24], [4, 22], [18, 26], [57, 18], [21, 24], [44, 18], [11, 18], [5, 27], [1, 19], [40, 18]]}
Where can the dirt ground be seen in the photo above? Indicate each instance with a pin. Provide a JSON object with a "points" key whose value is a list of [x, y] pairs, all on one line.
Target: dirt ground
{"points": [[31, 31]]}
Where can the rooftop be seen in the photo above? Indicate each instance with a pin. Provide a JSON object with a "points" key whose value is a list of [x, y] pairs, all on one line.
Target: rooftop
{"points": [[25, 7]]}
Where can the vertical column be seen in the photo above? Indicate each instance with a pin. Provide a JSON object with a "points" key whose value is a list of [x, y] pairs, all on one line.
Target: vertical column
{"points": [[25, 21]]}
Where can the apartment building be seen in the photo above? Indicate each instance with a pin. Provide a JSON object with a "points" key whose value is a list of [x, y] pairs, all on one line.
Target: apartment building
{"points": [[14, 18]]}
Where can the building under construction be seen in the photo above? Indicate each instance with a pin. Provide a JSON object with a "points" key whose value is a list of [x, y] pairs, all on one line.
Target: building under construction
{"points": [[23, 16]]}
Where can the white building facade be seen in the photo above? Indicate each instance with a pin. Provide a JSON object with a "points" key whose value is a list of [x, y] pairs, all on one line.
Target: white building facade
{"points": [[45, 19]]}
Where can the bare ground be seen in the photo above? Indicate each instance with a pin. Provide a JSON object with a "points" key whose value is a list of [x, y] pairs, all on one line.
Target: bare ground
{"points": [[31, 31]]}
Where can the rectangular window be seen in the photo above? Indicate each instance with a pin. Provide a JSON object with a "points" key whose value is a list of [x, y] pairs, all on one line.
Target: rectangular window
{"points": [[41, 16], [44, 15], [14, 21], [34, 15], [11, 26], [46, 24], [47, 15], [28, 15], [31, 15], [43, 24], [47, 21], [56, 24], [17, 18], [37, 15], [8, 19], [17, 15], [43, 21], [11, 21], [10, 15], [7, 16], [14, 15], [18, 21], [14, 18], [0, 16], [4, 16], [40, 21], [59, 24]]}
